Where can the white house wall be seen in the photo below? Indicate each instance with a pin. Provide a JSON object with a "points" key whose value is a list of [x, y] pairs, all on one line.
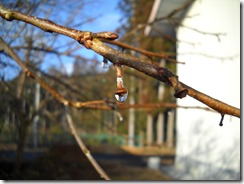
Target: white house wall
{"points": [[212, 67]]}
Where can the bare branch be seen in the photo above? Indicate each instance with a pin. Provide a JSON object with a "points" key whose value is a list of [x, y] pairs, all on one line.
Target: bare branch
{"points": [[160, 105], [84, 149], [144, 52], [217, 35], [91, 41]]}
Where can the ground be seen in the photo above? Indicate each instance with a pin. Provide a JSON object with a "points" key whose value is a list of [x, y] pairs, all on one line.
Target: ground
{"points": [[67, 162]]}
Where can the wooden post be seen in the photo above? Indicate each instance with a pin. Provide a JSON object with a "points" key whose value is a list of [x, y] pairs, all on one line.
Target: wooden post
{"points": [[170, 129], [149, 129], [160, 129], [131, 126], [36, 118]]}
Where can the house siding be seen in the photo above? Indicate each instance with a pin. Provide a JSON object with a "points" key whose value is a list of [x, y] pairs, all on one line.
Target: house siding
{"points": [[206, 150]]}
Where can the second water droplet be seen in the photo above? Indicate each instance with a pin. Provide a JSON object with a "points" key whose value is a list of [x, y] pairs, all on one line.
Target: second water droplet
{"points": [[105, 63]]}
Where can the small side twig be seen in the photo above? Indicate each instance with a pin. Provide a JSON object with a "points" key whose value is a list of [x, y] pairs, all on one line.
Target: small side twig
{"points": [[84, 149], [144, 52]]}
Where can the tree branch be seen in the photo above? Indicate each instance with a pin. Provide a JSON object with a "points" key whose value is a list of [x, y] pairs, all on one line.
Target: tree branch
{"points": [[91, 41], [142, 51], [163, 75], [84, 149]]}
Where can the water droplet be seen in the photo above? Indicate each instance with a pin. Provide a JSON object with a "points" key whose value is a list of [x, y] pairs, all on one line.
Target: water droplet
{"points": [[105, 63], [119, 116], [121, 94]]}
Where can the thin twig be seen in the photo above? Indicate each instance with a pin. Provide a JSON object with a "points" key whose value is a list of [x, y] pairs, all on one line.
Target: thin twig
{"points": [[144, 52], [160, 105], [84, 149], [212, 56], [217, 35]]}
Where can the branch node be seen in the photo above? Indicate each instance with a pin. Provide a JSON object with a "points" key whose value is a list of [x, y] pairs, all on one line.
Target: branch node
{"points": [[172, 79], [181, 93], [28, 73], [85, 38], [8, 16], [121, 93]]}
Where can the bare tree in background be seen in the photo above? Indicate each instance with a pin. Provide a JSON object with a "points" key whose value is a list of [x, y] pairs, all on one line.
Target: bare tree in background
{"points": [[37, 49]]}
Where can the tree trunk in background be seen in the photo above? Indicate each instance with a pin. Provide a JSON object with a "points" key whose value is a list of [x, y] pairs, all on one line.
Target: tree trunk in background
{"points": [[131, 126], [19, 122], [149, 129], [170, 129], [36, 118]]}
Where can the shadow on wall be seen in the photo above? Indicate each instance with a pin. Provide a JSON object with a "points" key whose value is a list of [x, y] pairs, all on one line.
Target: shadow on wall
{"points": [[188, 169], [208, 162]]}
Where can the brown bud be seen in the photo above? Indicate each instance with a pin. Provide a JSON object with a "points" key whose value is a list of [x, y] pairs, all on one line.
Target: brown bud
{"points": [[181, 93]]}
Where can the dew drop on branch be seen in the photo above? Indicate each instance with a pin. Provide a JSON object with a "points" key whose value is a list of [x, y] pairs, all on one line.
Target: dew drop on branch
{"points": [[121, 97], [121, 93]]}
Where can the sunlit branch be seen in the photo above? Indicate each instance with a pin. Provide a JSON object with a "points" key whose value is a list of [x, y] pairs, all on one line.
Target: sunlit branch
{"points": [[163, 75], [91, 41], [144, 52], [160, 105]]}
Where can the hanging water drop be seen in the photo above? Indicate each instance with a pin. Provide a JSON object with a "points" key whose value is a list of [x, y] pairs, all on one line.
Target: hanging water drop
{"points": [[119, 116], [105, 63], [121, 93]]}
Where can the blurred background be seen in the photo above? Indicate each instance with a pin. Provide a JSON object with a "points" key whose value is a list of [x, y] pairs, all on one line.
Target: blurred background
{"points": [[155, 140]]}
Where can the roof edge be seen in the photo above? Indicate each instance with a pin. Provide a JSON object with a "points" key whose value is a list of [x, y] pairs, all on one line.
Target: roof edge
{"points": [[152, 16]]}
